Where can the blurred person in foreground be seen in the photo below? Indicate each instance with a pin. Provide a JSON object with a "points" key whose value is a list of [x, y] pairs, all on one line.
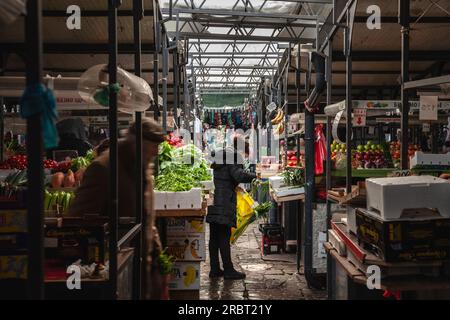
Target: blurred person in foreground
{"points": [[92, 195], [229, 172]]}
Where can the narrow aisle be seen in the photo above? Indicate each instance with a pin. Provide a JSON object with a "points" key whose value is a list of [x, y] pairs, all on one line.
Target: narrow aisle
{"points": [[266, 280]]}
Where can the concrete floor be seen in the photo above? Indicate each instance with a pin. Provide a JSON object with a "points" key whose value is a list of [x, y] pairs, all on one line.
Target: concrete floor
{"points": [[266, 280]]}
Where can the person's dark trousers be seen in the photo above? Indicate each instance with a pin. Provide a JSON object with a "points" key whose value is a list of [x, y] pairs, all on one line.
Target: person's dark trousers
{"points": [[219, 240]]}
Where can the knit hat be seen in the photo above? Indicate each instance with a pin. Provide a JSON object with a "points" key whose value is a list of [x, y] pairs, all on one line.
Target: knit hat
{"points": [[151, 130]]}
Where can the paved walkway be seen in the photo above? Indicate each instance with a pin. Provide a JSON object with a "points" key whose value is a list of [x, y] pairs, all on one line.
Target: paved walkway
{"points": [[266, 280]]}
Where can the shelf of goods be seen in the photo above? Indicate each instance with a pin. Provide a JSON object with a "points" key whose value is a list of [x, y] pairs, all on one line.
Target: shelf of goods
{"points": [[401, 225]]}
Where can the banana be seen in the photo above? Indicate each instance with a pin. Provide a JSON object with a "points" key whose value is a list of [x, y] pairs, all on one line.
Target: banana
{"points": [[194, 253], [275, 120], [279, 117], [197, 225], [189, 276], [280, 128]]}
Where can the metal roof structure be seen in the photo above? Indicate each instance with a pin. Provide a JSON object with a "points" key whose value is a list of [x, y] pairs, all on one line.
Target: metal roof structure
{"points": [[233, 44]]}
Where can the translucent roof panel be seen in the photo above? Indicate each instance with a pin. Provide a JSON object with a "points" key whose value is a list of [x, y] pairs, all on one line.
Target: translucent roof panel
{"points": [[238, 5], [234, 43]]}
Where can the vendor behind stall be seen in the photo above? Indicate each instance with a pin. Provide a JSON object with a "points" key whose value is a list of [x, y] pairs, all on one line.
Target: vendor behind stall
{"points": [[72, 136]]}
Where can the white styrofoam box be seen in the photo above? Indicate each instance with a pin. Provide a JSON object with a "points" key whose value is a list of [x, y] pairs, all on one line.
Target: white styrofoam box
{"points": [[389, 197], [337, 243], [186, 276], [276, 182], [160, 200], [187, 247], [207, 185], [289, 191], [185, 225], [191, 199], [429, 159]]}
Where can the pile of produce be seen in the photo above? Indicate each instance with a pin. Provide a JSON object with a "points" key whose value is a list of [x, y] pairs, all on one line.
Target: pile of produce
{"points": [[292, 160], [59, 200], [174, 140], [293, 177], [367, 156], [68, 180], [50, 164], [394, 149], [181, 169], [13, 182], [277, 121], [82, 162], [18, 161]]}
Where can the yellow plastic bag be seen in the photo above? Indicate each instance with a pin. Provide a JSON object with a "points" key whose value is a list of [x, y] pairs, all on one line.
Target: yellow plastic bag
{"points": [[244, 211]]}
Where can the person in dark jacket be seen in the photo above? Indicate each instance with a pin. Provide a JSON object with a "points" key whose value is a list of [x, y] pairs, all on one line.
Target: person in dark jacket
{"points": [[228, 174], [72, 136]]}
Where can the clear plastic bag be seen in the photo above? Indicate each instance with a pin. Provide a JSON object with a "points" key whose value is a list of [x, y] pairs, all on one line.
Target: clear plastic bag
{"points": [[134, 93]]}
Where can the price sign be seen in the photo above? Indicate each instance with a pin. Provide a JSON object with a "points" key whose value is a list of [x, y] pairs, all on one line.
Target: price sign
{"points": [[359, 117], [428, 108]]}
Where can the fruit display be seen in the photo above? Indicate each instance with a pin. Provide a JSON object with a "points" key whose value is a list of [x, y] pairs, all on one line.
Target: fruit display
{"points": [[50, 164], [174, 141], [61, 180], [17, 161], [394, 149], [278, 118], [58, 200], [367, 156], [293, 160]]}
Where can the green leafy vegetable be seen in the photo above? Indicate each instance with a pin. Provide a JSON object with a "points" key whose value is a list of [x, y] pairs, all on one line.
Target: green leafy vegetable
{"points": [[293, 177], [166, 263]]}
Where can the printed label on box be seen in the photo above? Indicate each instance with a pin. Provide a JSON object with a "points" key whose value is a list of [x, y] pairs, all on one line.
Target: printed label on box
{"points": [[13, 267], [185, 225], [187, 247], [13, 221], [186, 276]]}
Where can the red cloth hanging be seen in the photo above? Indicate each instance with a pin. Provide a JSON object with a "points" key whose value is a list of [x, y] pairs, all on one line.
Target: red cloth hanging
{"points": [[320, 149]]}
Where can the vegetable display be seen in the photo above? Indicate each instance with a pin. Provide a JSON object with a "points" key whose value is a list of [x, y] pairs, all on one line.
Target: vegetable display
{"points": [[82, 162], [293, 177], [58, 199], [180, 169], [181, 178], [13, 182]]}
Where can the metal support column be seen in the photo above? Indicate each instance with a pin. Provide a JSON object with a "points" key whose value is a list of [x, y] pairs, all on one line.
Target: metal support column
{"points": [[348, 102], [113, 155], [35, 192], [404, 7], [328, 161], [165, 57], [176, 87], [157, 36], [137, 272]]}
